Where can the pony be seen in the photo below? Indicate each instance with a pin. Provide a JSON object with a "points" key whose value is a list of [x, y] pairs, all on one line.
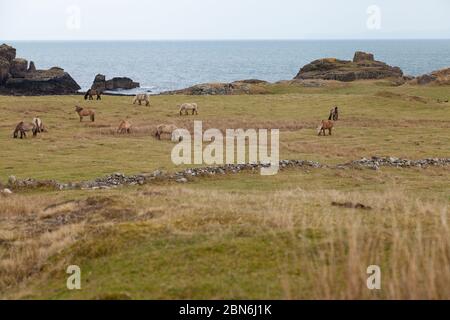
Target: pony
{"points": [[85, 113], [23, 128], [124, 127], [39, 125], [325, 125], [142, 97], [185, 107], [165, 129], [91, 92], [334, 114]]}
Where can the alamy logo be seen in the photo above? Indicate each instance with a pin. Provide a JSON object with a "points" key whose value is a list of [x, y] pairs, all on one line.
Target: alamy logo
{"points": [[374, 280], [191, 151], [374, 19], [74, 280], [73, 21]]}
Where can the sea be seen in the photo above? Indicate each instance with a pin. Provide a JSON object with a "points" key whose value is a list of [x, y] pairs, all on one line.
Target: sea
{"points": [[169, 65]]}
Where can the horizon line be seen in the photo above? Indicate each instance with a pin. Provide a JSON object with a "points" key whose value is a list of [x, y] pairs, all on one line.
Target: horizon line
{"points": [[231, 39]]}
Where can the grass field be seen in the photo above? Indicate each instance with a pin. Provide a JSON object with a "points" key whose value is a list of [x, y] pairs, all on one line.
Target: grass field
{"points": [[238, 236]]}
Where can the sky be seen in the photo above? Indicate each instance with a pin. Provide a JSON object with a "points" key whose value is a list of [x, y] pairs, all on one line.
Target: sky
{"points": [[223, 19]]}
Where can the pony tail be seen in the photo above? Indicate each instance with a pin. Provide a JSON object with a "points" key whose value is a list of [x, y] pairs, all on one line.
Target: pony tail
{"points": [[87, 94]]}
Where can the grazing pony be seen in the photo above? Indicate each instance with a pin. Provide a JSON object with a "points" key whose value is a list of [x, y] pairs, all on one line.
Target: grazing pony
{"points": [[334, 114], [142, 97], [23, 128], [91, 92], [165, 129], [39, 125], [124, 127], [185, 107], [85, 113], [325, 125]]}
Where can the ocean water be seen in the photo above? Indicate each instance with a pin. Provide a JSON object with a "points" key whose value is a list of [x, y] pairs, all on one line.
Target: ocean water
{"points": [[169, 65]]}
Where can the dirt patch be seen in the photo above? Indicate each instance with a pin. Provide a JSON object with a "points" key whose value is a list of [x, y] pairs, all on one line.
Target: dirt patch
{"points": [[351, 205]]}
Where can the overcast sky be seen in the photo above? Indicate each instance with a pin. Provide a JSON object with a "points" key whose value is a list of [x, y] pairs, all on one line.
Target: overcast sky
{"points": [[222, 19]]}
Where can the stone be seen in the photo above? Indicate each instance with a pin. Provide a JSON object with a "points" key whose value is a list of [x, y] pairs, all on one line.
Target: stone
{"points": [[182, 180], [18, 68], [117, 83], [364, 66], [4, 70], [12, 180], [7, 52], [363, 56], [32, 67], [7, 191], [438, 77], [16, 78], [41, 82], [252, 86]]}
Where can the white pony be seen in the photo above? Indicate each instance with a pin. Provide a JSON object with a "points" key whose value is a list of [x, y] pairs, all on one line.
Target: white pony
{"points": [[185, 107], [142, 97], [39, 126]]}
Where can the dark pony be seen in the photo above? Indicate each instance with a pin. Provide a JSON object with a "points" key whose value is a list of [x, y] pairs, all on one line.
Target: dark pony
{"points": [[22, 128], [334, 114], [91, 92]]}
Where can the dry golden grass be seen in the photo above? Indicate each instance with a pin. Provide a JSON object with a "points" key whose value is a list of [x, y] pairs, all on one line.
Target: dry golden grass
{"points": [[310, 249]]}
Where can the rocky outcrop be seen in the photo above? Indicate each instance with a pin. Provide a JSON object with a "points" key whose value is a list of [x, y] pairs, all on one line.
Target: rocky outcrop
{"points": [[17, 78], [439, 77], [117, 83], [252, 86], [363, 66], [7, 52]]}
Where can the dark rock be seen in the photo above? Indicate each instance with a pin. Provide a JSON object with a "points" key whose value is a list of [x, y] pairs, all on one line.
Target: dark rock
{"points": [[100, 83], [32, 67], [16, 78], [7, 52], [53, 82], [4, 70], [364, 66], [18, 68]]}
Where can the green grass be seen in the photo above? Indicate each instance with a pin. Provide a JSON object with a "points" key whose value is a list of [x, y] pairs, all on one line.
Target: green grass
{"points": [[237, 236]]}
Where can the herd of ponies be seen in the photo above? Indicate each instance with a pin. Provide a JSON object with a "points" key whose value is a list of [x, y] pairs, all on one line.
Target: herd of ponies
{"points": [[125, 126], [37, 126]]}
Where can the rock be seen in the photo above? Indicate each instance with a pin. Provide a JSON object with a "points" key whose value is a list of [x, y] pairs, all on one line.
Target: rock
{"points": [[100, 83], [252, 86], [7, 52], [7, 191], [438, 77], [182, 180], [4, 70], [41, 82], [32, 67], [364, 66], [12, 180], [18, 68], [363, 56], [16, 78]]}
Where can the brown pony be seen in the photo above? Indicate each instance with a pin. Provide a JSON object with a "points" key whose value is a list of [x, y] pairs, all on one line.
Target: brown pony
{"points": [[165, 129], [325, 125], [23, 128], [124, 127], [85, 113], [91, 92]]}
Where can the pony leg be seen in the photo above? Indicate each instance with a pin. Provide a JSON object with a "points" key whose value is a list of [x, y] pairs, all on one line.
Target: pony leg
{"points": [[330, 131]]}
